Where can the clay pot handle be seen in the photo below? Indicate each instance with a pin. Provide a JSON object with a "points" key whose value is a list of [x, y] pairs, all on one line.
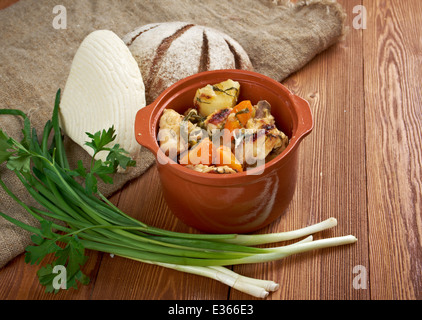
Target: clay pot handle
{"points": [[305, 119], [145, 130]]}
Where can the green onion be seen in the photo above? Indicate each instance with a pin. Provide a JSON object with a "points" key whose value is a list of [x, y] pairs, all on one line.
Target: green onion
{"points": [[86, 219]]}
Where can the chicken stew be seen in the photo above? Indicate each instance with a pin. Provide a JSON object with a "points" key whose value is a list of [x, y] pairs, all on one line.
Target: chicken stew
{"points": [[220, 134]]}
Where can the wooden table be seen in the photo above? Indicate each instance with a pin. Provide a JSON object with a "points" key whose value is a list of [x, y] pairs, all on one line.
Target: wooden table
{"points": [[361, 164]]}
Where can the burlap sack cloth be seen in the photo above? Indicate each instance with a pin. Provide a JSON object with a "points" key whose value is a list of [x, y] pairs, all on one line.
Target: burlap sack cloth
{"points": [[35, 59]]}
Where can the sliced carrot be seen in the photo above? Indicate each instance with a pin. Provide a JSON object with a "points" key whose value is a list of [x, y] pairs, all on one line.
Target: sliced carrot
{"points": [[243, 111], [225, 157], [202, 153], [232, 124]]}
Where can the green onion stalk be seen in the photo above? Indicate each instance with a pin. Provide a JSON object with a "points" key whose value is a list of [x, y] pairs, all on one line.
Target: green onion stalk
{"points": [[74, 216]]}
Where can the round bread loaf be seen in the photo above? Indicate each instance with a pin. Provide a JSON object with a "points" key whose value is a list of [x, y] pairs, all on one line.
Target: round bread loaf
{"points": [[170, 51]]}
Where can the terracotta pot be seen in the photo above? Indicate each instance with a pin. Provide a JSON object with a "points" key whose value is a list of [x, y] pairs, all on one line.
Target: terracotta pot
{"points": [[229, 203]]}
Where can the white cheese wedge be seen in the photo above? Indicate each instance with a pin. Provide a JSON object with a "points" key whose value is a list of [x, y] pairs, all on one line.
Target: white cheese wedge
{"points": [[104, 88]]}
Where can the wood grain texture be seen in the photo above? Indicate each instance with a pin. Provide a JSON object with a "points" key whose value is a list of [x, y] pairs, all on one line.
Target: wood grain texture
{"points": [[361, 164], [332, 180], [124, 279], [392, 51]]}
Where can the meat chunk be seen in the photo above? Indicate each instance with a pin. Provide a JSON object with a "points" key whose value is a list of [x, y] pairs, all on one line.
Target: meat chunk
{"points": [[274, 138], [211, 169], [173, 133], [262, 109], [217, 120], [262, 136]]}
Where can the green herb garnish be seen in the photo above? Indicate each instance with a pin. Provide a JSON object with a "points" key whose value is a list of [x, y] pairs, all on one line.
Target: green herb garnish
{"points": [[90, 221], [215, 88], [200, 101]]}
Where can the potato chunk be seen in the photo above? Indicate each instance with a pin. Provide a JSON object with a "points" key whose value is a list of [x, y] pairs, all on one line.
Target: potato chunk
{"points": [[211, 98]]}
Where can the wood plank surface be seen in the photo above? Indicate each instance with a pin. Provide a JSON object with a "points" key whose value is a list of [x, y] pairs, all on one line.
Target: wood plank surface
{"points": [[332, 183], [361, 164], [393, 67]]}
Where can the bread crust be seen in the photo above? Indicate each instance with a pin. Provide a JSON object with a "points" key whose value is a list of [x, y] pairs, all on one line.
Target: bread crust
{"points": [[170, 51]]}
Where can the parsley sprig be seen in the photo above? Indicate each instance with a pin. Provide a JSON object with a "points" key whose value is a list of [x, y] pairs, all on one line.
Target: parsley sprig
{"points": [[18, 156], [102, 169], [74, 216]]}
